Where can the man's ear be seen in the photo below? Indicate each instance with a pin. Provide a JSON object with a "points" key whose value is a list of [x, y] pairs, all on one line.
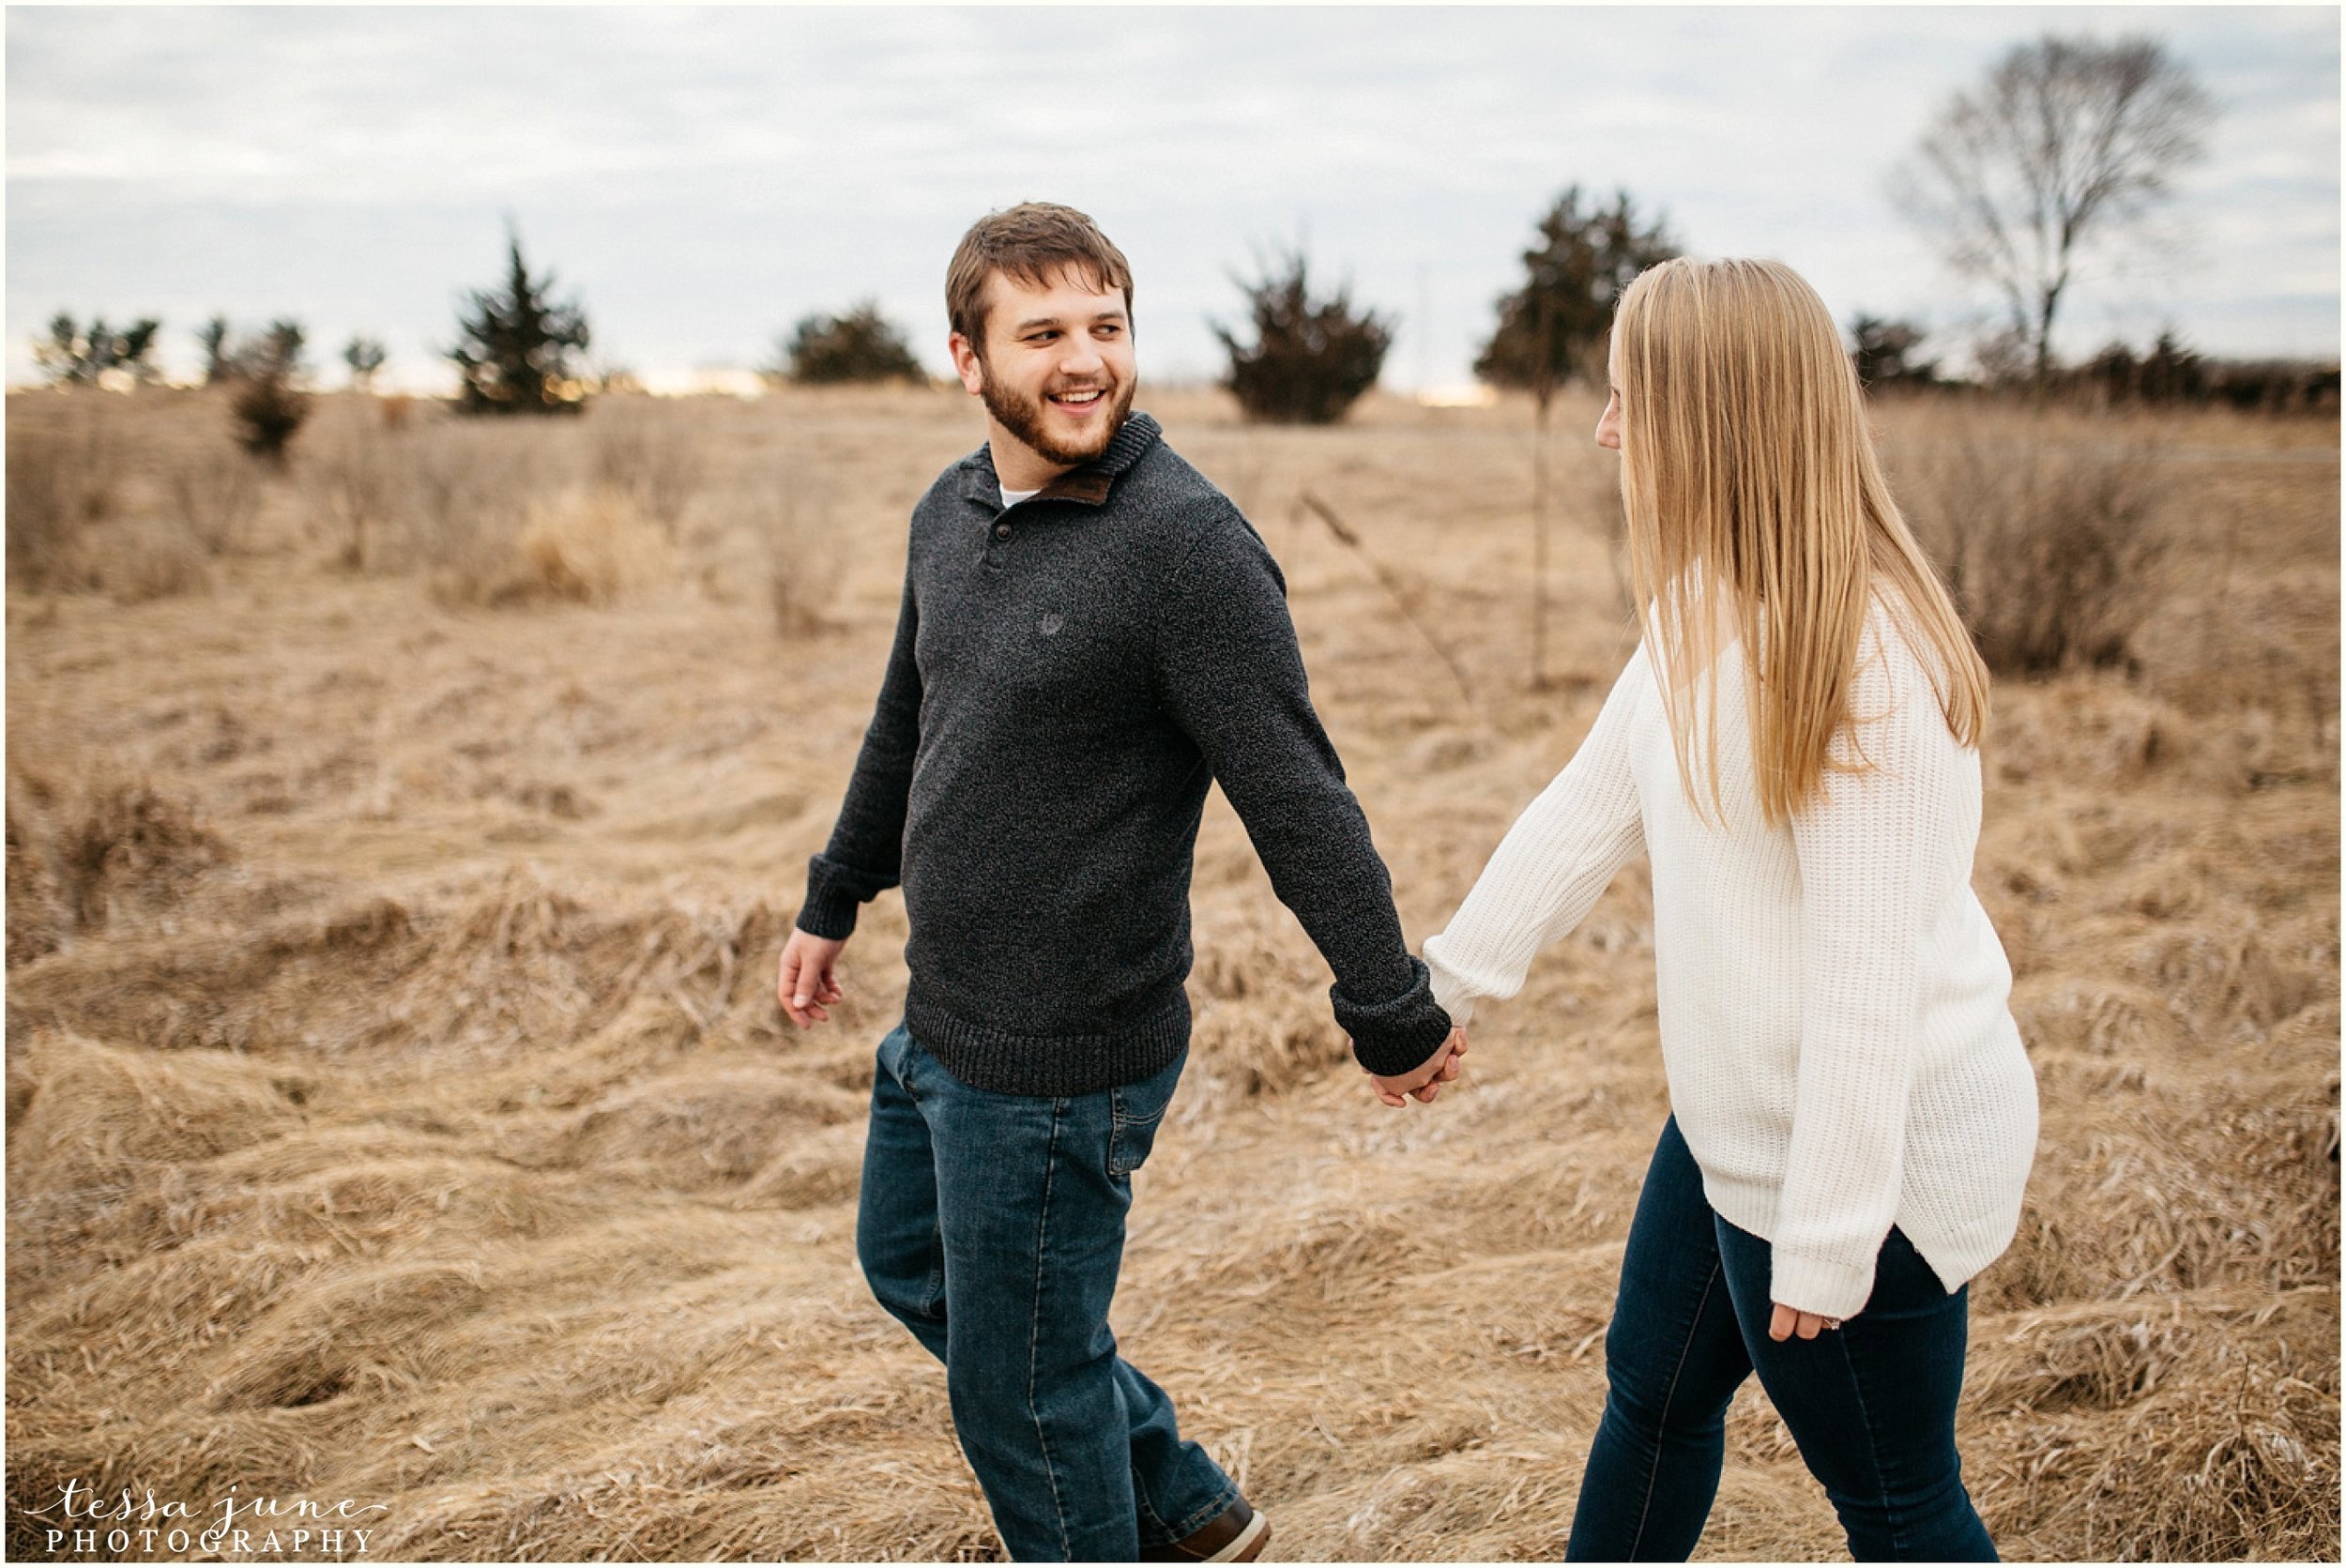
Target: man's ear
{"points": [[967, 364]]}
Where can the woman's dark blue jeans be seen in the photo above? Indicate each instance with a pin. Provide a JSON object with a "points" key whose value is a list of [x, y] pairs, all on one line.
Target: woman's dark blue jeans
{"points": [[1871, 1404], [992, 1226]]}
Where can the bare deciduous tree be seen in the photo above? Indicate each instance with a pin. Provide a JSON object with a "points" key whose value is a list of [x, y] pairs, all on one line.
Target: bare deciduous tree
{"points": [[2067, 142]]}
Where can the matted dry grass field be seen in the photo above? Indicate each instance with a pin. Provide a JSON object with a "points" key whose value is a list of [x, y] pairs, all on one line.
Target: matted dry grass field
{"points": [[398, 1112]]}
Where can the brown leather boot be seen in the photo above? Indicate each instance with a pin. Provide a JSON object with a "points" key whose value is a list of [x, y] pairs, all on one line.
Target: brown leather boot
{"points": [[1238, 1534]]}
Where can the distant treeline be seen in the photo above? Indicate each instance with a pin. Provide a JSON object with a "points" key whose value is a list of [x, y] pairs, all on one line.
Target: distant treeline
{"points": [[1888, 356], [1312, 354], [1536, 346], [2168, 372]]}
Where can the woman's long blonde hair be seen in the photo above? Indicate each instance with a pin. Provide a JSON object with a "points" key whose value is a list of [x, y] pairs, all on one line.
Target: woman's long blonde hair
{"points": [[1757, 508]]}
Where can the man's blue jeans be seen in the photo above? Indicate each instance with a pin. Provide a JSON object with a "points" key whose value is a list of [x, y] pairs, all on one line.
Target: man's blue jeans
{"points": [[1871, 1404], [992, 1226]]}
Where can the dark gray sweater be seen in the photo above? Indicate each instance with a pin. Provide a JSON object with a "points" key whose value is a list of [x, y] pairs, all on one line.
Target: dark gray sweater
{"points": [[1069, 675]]}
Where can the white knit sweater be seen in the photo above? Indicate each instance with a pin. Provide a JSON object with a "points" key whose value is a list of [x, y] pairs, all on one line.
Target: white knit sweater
{"points": [[1834, 1010]]}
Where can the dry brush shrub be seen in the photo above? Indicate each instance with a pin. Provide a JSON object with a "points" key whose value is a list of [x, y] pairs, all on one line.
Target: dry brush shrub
{"points": [[651, 453], [590, 547], [94, 504], [109, 848], [267, 409], [2048, 536], [361, 484], [134, 845], [473, 487], [216, 493], [64, 478], [40, 913], [2098, 729], [791, 533], [503, 516], [149, 558]]}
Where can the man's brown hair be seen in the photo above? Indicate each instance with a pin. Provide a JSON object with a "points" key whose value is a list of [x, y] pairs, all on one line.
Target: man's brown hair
{"points": [[1032, 242]]}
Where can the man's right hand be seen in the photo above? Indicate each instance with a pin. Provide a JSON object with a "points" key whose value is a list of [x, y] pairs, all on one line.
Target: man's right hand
{"points": [[808, 980]]}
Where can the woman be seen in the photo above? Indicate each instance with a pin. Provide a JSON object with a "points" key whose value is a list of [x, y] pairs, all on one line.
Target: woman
{"points": [[1793, 745]]}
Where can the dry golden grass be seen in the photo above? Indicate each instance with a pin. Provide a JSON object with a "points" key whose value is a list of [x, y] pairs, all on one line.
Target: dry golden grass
{"points": [[398, 1111]]}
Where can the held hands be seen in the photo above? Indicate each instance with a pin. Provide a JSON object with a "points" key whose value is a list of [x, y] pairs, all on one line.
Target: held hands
{"points": [[1425, 1081], [808, 981]]}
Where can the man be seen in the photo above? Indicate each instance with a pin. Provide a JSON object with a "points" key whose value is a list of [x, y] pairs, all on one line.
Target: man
{"points": [[1090, 635]]}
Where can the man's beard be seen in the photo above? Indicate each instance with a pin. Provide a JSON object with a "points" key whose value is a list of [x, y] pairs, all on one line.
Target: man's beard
{"points": [[1023, 418]]}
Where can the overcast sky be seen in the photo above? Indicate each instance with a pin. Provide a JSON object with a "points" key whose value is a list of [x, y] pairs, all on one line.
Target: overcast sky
{"points": [[700, 178]]}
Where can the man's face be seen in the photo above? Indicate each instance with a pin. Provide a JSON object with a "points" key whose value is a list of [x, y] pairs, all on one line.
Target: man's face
{"points": [[1058, 373]]}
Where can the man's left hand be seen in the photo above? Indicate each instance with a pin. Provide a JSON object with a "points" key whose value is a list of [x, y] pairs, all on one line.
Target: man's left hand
{"points": [[1425, 1081]]}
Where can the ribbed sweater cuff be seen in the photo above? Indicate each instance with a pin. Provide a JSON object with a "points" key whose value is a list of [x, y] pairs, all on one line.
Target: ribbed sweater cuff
{"points": [[1818, 1285], [1396, 1036], [831, 908], [1450, 993]]}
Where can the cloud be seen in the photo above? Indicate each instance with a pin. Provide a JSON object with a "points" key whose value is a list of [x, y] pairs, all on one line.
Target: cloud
{"points": [[704, 175]]}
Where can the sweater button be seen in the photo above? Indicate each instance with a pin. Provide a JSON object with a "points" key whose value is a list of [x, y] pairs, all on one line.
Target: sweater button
{"points": [[1001, 530]]}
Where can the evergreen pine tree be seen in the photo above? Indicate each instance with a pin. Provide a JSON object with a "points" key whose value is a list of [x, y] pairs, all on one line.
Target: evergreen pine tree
{"points": [[516, 345], [1888, 353], [73, 357], [1312, 357], [212, 336], [1549, 329]]}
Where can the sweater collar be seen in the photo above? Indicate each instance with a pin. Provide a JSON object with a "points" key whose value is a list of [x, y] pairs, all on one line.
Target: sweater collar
{"points": [[1089, 484]]}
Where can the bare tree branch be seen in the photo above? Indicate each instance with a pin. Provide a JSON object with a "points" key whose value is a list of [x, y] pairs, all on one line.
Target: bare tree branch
{"points": [[2068, 144]]}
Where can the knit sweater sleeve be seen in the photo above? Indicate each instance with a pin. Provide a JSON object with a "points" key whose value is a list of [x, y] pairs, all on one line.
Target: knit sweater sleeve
{"points": [[1552, 866], [1230, 674], [865, 856], [1878, 852]]}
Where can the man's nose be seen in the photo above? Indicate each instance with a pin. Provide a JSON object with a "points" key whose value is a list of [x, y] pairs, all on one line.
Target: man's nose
{"points": [[1080, 355]]}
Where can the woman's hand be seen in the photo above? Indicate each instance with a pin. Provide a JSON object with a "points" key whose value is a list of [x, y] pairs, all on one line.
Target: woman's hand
{"points": [[1787, 1322]]}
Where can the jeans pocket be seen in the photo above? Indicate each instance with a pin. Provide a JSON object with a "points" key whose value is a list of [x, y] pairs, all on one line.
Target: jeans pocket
{"points": [[890, 1059], [1134, 1113]]}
